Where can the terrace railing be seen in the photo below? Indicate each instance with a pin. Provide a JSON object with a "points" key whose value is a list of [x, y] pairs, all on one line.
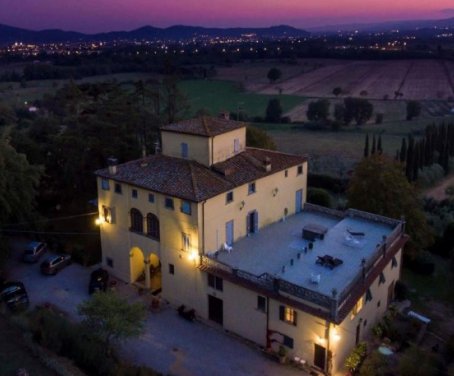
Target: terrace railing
{"points": [[334, 302], [270, 283]]}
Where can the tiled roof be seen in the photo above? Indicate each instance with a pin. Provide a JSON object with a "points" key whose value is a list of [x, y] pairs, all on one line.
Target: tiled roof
{"points": [[204, 126], [190, 180]]}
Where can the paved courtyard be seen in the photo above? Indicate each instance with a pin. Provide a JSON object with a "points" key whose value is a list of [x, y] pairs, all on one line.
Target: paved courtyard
{"points": [[170, 344]]}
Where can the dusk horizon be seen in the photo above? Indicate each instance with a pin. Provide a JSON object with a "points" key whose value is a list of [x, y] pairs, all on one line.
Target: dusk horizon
{"points": [[115, 15]]}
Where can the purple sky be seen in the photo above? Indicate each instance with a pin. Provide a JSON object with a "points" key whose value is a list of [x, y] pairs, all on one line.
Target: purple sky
{"points": [[107, 15]]}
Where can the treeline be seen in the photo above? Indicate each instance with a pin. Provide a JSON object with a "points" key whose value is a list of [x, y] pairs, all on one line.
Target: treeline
{"points": [[436, 147]]}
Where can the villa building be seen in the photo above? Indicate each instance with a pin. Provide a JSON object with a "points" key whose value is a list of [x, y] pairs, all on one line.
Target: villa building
{"points": [[224, 229]]}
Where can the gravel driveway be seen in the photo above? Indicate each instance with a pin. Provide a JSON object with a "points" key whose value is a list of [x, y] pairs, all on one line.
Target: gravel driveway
{"points": [[169, 344]]}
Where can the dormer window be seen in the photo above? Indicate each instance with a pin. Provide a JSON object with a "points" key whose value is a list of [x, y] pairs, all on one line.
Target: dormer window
{"points": [[184, 150]]}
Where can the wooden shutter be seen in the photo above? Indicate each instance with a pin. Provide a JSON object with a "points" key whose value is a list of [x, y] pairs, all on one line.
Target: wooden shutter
{"points": [[282, 313]]}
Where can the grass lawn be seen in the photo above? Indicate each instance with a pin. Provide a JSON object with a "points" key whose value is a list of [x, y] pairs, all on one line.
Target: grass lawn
{"points": [[216, 96], [14, 354]]}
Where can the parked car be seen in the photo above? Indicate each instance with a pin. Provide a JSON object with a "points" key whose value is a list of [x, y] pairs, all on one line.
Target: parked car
{"points": [[14, 295], [52, 265], [34, 251], [99, 279]]}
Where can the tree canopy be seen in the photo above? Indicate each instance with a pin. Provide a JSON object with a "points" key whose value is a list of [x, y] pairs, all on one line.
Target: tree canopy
{"points": [[318, 110], [274, 74], [378, 185], [274, 110], [111, 317], [18, 183], [258, 138]]}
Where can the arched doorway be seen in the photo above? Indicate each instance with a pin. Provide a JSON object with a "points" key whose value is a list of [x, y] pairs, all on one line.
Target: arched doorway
{"points": [[155, 274], [136, 262]]}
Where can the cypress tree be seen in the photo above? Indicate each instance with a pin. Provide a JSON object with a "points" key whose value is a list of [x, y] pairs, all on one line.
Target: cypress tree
{"points": [[403, 151], [379, 147], [366, 146], [415, 164], [410, 159], [372, 152]]}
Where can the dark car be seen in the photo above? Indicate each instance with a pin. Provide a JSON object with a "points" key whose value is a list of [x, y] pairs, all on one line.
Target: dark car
{"points": [[34, 251], [14, 295], [54, 264], [99, 279]]}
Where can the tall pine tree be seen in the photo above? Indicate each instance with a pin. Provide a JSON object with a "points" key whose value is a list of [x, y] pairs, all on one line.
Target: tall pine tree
{"points": [[366, 146]]}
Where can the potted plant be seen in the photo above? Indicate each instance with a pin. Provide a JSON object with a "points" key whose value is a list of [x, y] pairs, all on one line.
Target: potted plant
{"points": [[282, 353]]}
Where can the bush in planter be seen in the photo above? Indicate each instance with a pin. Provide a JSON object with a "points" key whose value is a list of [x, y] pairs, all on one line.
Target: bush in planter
{"points": [[354, 360]]}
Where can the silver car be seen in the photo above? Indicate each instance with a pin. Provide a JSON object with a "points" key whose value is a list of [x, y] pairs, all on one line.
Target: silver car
{"points": [[34, 251], [53, 264]]}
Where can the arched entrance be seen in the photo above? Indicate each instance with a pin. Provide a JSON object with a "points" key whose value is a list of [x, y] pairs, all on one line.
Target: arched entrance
{"points": [[136, 262]]}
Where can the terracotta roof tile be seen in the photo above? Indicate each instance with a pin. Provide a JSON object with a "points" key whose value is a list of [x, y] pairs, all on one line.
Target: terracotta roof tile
{"points": [[190, 180], [204, 126]]}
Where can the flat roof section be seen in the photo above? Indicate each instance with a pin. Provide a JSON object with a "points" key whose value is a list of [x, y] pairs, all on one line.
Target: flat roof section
{"points": [[280, 250]]}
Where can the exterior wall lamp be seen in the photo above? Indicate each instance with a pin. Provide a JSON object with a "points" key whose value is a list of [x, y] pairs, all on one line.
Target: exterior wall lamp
{"points": [[242, 203], [275, 191]]}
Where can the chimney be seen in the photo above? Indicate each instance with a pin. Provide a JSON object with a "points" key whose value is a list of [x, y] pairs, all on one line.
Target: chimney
{"points": [[224, 115], [112, 163], [267, 164], [157, 147]]}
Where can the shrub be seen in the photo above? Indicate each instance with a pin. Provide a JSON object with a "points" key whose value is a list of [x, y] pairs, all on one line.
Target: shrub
{"points": [[319, 196], [375, 364], [354, 360], [86, 257], [327, 182]]}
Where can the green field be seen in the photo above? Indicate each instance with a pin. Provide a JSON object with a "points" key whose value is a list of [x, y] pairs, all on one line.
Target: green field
{"points": [[215, 96]]}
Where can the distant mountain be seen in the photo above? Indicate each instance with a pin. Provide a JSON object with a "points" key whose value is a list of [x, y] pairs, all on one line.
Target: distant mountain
{"points": [[409, 25], [9, 34]]}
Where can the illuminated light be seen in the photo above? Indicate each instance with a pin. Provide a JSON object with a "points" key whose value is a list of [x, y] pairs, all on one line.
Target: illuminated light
{"points": [[335, 335], [321, 340], [99, 221], [192, 256]]}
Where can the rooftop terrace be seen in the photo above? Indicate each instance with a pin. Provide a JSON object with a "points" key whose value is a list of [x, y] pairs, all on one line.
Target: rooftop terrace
{"points": [[279, 252]]}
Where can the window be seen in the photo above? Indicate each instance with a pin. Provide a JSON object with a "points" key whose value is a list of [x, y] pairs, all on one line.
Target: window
{"points": [[357, 308], [393, 262], [378, 304], [215, 282], [184, 150], [300, 170], [105, 184], [151, 197], [109, 262], [136, 220], [118, 188], [152, 226], [286, 173], [134, 193], [108, 214], [288, 341], [288, 315], [368, 295], [261, 303], [169, 203], [251, 188], [229, 197], [236, 145], [381, 278], [171, 269], [186, 207], [186, 242]]}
